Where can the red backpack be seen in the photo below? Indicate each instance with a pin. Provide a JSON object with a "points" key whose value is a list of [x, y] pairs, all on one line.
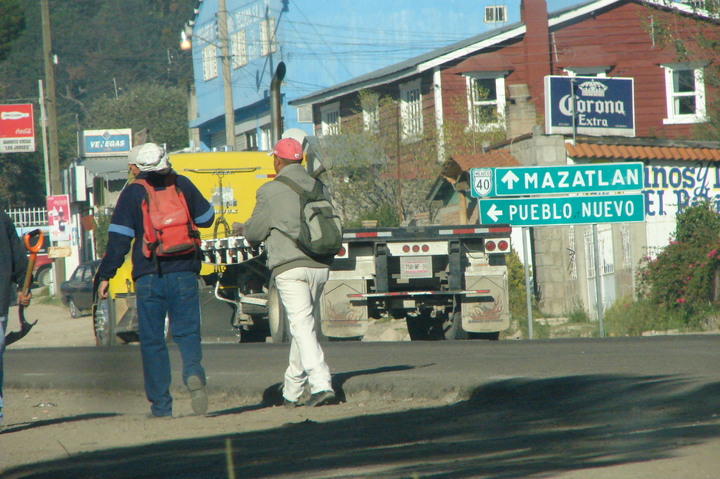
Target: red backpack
{"points": [[169, 229]]}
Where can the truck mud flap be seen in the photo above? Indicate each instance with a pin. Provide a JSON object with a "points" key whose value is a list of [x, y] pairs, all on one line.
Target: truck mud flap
{"points": [[127, 326], [486, 313], [341, 318]]}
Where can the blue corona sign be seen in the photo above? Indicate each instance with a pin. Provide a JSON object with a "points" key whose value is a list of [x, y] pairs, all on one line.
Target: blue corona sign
{"points": [[589, 106]]}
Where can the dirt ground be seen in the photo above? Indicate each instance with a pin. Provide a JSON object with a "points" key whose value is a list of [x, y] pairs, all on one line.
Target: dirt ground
{"points": [[42, 425]]}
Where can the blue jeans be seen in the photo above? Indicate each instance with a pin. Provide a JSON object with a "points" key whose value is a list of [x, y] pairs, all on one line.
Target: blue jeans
{"points": [[176, 295], [3, 328]]}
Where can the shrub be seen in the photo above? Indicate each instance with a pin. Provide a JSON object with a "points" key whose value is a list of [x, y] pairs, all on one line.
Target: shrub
{"points": [[681, 279]]}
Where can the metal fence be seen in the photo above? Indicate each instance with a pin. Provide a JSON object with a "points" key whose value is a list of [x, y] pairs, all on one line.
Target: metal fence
{"points": [[28, 216]]}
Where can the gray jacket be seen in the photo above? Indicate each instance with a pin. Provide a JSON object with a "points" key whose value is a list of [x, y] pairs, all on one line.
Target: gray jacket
{"points": [[13, 262], [277, 208]]}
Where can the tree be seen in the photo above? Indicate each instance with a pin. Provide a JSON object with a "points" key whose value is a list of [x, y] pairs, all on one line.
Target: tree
{"points": [[161, 109], [104, 50], [378, 176], [12, 23]]}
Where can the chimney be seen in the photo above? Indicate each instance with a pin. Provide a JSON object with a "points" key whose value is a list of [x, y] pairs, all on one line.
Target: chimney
{"points": [[533, 14]]}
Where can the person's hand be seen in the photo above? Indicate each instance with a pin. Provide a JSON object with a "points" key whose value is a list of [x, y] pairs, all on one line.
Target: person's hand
{"points": [[24, 300], [103, 289]]}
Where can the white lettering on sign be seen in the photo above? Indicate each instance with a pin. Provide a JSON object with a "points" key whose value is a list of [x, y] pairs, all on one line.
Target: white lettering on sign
{"points": [[608, 209], [591, 106], [107, 144], [544, 212], [583, 179]]}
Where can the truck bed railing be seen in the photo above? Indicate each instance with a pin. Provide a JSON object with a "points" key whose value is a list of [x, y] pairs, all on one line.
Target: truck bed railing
{"points": [[230, 250]]}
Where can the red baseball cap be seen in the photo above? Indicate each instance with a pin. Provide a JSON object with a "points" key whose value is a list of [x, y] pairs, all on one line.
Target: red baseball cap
{"points": [[289, 149]]}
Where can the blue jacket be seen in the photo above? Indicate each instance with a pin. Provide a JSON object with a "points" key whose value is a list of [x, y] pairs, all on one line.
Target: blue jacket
{"points": [[13, 262], [126, 224]]}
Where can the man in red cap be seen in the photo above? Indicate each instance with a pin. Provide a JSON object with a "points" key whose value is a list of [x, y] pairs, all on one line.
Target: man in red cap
{"points": [[298, 277]]}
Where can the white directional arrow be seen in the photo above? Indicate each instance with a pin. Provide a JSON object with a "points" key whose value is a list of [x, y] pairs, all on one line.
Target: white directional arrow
{"points": [[494, 212], [509, 179]]}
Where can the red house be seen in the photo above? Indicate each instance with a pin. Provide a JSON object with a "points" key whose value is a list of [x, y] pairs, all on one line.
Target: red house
{"points": [[492, 89]]}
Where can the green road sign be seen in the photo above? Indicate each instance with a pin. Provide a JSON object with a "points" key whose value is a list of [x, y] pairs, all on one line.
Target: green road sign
{"points": [[568, 210], [547, 180]]}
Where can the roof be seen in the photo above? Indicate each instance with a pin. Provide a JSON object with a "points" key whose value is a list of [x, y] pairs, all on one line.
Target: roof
{"points": [[110, 168], [630, 152], [458, 164], [469, 46]]}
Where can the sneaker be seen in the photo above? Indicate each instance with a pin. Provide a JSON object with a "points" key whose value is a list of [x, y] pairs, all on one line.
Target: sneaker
{"points": [[289, 404], [150, 415], [198, 396], [320, 399]]}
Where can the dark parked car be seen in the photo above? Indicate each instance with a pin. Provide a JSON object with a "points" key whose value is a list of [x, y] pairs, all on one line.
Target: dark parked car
{"points": [[77, 292]]}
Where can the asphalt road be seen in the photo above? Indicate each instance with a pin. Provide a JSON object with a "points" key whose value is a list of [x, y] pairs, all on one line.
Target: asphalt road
{"points": [[402, 369]]}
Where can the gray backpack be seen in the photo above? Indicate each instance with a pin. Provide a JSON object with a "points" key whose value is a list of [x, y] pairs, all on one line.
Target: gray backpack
{"points": [[320, 226]]}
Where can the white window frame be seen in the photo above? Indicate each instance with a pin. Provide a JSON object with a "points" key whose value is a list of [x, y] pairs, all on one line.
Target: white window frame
{"points": [[267, 36], [495, 14], [598, 72], [209, 59], [330, 119], [673, 97], [411, 110], [499, 100], [239, 49]]}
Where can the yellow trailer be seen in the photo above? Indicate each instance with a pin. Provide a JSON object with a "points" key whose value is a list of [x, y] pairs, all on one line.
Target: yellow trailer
{"points": [[229, 181]]}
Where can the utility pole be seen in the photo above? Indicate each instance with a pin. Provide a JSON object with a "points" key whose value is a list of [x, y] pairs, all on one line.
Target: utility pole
{"points": [[50, 102], [51, 109], [226, 73]]}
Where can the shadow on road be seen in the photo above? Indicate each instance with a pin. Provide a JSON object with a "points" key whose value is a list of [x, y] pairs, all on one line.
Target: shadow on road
{"points": [[49, 422], [514, 428]]}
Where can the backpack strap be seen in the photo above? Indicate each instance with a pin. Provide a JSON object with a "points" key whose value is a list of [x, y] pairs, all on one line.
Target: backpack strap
{"points": [[293, 185]]}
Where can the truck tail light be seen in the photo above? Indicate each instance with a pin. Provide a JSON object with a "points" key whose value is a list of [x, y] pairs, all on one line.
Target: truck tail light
{"points": [[497, 246]]}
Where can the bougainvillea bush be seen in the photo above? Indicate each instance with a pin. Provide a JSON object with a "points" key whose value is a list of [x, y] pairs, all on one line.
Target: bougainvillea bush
{"points": [[681, 279]]}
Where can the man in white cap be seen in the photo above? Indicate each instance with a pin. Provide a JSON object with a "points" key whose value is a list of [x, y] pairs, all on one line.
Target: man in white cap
{"points": [[298, 277], [163, 285]]}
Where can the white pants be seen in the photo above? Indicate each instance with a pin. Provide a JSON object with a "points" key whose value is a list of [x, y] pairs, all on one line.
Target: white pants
{"points": [[300, 290]]}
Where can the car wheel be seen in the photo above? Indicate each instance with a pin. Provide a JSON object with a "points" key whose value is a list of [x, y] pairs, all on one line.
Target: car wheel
{"points": [[104, 322], [44, 277], [74, 311]]}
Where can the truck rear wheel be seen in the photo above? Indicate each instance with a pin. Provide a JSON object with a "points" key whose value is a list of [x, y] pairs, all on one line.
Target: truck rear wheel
{"points": [[277, 317], [104, 322]]}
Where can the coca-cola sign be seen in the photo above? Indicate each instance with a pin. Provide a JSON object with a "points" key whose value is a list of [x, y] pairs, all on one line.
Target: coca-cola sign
{"points": [[17, 128]]}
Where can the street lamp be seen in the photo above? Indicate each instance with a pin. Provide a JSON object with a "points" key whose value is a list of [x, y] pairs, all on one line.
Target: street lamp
{"points": [[185, 44]]}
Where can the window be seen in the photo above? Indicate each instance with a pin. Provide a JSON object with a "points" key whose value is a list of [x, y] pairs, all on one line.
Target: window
{"points": [[330, 119], [685, 93], [209, 59], [496, 14], [267, 36], [486, 99], [239, 49], [304, 114], [371, 113], [411, 110]]}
